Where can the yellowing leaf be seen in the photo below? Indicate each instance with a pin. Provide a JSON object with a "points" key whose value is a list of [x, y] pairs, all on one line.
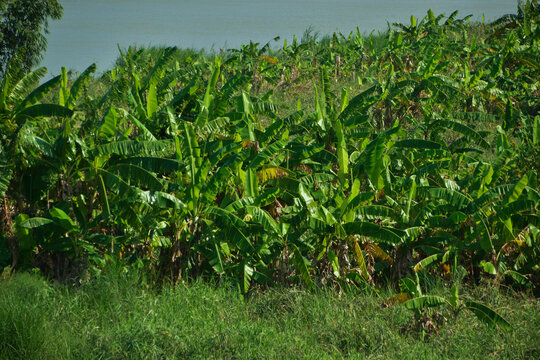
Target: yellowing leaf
{"points": [[270, 173], [378, 253], [361, 261]]}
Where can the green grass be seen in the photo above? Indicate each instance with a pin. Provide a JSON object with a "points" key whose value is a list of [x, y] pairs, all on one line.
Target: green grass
{"points": [[117, 317]]}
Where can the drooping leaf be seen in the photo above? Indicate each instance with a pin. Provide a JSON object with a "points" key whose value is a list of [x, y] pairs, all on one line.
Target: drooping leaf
{"points": [[373, 231], [46, 110], [62, 219], [375, 211], [107, 128], [356, 104], [487, 315], [517, 189], [374, 161], [518, 278], [261, 217], [35, 222], [452, 197], [38, 93], [136, 176], [134, 148], [463, 129], [488, 267], [301, 264], [162, 200], [424, 263], [228, 216], [361, 261], [246, 274], [378, 253], [409, 286]]}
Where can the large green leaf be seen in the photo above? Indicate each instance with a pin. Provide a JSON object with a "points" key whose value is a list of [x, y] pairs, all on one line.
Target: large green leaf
{"points": [[519, 278], [235, 84], [267, 153], [342, 154], [184, 94], [333, 259], [136, 176], [463, 129], [36, 222], [356, 104], [62, 219], [452, 197], [227, 215], [515, 207], [162, 200], [301, 264], [251, 186], [239, 204], [309, 201], [315, 210], [517, 189], [361, 261], [151, 101], [410, 287], [134, 148], [373, 231], [156, 71], [425, 301], [376, 211], [267, 197], [38, 93], [107, 129], [78, 85], [430, 260], [15, 91], [116, 184], [487, 315], [374, 161], [247, 273], [46, 110], [261, 217]]}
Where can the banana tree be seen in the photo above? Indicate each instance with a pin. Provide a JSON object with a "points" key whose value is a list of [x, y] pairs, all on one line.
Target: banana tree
{"points": [[421, 305], [21, 117]]}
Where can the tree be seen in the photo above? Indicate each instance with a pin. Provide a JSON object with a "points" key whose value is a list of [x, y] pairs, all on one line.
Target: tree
{"points": [[23, 26]]}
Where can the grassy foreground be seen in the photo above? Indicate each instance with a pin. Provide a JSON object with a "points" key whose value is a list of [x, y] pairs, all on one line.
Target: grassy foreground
{"points": [[116, 317]]}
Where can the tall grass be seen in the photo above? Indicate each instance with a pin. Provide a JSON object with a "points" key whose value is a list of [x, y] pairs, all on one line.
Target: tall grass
{"points": [[118, 317]]}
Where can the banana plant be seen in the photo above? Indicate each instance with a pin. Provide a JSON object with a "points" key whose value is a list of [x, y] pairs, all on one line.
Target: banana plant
{"points": [[421, 304], [68, 97], [20, 114]]}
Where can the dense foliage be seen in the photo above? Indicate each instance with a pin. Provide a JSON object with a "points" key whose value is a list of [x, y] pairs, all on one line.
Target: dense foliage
{"points": [[23, 25], [185, 166]]}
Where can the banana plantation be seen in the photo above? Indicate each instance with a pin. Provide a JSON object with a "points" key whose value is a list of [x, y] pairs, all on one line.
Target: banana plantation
{"points": [[416, 155]]}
